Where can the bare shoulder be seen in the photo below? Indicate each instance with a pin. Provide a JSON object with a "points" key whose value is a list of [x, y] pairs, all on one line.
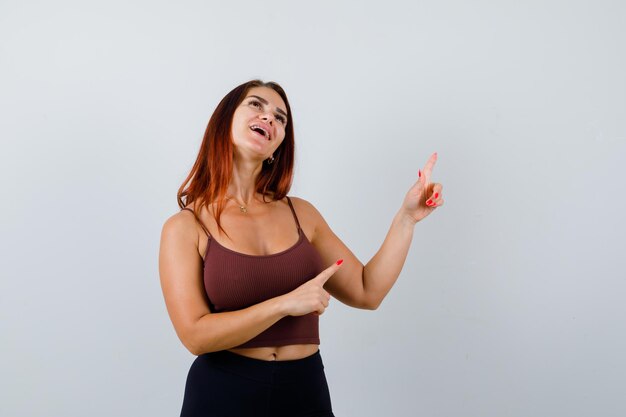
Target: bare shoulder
{"points": [[304, 206], [180, 226], [307, 212], [180, 271]]}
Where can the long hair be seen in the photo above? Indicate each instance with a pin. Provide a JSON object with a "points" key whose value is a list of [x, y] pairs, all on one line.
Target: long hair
{"points": [[212, 172]]}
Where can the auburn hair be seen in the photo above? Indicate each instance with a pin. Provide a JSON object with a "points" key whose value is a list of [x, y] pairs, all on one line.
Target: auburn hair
{"points": [[212, 172]]}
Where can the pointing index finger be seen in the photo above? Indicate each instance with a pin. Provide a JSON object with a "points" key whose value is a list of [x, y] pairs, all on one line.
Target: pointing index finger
{"points": [[428, 168], [328, 272]]}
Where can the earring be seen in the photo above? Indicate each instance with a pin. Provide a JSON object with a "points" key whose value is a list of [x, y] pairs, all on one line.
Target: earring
{"points": [[270, 160]]}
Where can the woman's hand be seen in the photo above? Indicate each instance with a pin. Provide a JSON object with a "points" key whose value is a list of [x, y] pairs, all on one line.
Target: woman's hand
{"points": [[311, 296], [423, 197]]}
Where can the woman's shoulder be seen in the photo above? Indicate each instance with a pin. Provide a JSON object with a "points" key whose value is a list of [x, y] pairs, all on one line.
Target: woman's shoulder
{"points": [[305, 208], [311, 216], [180, 227]]}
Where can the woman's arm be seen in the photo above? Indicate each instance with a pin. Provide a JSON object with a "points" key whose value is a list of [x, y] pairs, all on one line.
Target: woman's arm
{"points": [[357, 285], [180, 270], [200, 331], [366, 286], [382, 271]]}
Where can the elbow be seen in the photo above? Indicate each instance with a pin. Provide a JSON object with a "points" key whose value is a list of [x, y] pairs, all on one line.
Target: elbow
{"points": [[370, 300], [192, 344], [193, 351], [198, 346], [371, 303], [196, 349]]}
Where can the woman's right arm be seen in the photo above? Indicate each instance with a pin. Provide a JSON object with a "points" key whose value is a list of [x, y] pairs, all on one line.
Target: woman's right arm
{"points": [[200, 331]]}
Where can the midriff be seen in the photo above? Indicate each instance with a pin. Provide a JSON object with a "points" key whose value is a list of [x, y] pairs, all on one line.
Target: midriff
{"points": [[277, 353]]}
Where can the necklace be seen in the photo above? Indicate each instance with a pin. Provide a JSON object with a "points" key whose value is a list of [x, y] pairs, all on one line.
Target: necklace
{"points": [[242, 208]]}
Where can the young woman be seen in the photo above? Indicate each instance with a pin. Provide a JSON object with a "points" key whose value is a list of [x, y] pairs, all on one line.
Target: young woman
{"points": [[246, 271]]}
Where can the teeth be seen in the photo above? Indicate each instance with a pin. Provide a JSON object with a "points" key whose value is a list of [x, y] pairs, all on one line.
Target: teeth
{"points": [[267, 135]]}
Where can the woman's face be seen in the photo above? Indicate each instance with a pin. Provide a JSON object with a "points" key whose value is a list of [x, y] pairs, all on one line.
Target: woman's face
{"points": [[259, 123]]}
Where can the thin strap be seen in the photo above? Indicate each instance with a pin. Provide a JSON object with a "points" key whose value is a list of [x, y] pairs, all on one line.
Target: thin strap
{"points": [[294, 212], [199, 221]]}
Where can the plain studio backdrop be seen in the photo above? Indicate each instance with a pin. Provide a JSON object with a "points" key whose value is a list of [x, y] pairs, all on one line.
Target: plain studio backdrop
{"points": [[511, 301]]}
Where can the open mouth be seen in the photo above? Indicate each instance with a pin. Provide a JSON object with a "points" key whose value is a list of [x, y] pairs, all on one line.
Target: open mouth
{"points": [[259, 130]]}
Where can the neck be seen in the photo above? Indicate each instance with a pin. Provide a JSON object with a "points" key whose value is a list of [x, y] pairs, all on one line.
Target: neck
{"points": [[242, 186]]}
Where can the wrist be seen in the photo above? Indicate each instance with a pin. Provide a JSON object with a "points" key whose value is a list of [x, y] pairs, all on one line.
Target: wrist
{"points": [[278, 306], [406, 219]]}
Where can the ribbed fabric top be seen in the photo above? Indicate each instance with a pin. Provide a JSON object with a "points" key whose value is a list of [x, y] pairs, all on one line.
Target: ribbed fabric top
{"points": [[234, 281]]}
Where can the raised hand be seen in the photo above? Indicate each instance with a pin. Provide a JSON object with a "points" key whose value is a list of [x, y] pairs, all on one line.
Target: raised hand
{"points": [[423, 197], [311, 296]]}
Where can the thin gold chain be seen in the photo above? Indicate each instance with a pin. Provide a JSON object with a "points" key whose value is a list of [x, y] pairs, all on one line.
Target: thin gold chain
{"points": [[242, 207]]}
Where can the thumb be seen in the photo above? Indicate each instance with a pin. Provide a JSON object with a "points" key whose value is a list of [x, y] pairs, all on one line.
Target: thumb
{"points": [[328, 272]]}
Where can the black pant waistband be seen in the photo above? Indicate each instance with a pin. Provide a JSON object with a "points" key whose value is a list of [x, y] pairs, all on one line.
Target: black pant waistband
{"points": [[261, 370]]}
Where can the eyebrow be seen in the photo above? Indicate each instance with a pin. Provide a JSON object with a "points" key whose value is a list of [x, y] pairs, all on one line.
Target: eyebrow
{"points": [[262, 100]]}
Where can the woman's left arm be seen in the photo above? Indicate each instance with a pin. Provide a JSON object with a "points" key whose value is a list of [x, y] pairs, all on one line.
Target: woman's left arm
{"points": [[365, 286]]}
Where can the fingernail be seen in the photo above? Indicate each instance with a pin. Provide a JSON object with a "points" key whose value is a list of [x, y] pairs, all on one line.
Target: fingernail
{"points": [[428, 203], [419, 171], [340, 261], [436, 195]]}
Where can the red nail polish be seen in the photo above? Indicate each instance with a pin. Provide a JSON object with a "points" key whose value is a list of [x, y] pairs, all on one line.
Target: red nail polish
{"points": [[428, 203], [419, 171], [436, 195], [340, 261]]}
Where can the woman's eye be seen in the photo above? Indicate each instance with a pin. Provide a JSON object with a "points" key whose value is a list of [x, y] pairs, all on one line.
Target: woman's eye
{"points": [[258, 104]]}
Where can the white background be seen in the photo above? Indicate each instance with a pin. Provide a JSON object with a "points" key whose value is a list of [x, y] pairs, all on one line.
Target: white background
{"points": [[511, 301]]}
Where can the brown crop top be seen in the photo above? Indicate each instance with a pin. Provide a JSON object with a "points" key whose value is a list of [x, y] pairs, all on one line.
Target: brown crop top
{"points": [[234, 281]]}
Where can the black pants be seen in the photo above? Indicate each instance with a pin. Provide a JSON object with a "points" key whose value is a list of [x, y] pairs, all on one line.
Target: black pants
{"points": [[225, 384]]}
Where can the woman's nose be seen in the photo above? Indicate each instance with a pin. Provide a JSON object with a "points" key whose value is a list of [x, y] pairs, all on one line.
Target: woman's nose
{"points": [[268, 117]]}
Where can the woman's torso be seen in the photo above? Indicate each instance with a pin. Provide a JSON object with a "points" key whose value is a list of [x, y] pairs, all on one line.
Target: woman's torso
{"points": [[264, 230]]}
